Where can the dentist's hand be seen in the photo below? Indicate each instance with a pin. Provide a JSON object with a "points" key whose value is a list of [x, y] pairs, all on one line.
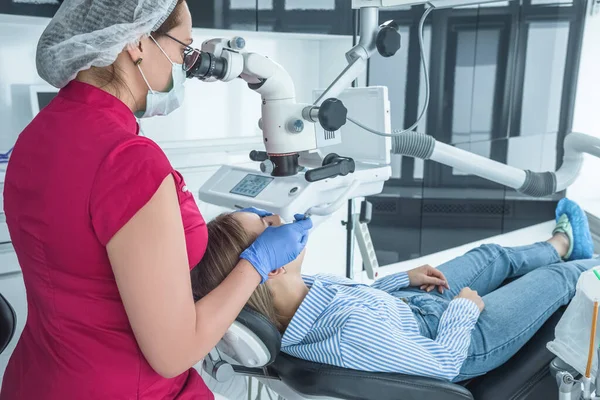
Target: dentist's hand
{"points": [[278, 246]]}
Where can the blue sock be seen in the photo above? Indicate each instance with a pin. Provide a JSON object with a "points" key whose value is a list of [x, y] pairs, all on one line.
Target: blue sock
{"points": [[582, 244]]}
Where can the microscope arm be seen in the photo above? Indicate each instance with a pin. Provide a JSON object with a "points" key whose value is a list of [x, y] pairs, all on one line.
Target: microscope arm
{"points": [[267, 78], [358, 56]]}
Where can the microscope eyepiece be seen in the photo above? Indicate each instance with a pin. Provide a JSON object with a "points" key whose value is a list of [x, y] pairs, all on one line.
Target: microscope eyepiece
{"points": [[206, 66]]}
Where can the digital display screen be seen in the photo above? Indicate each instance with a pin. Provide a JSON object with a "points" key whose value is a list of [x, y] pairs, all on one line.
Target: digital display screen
{"points": [[251, 185]]}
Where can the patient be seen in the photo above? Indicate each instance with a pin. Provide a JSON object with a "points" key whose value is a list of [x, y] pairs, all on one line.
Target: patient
{"points": [[427, 322]]}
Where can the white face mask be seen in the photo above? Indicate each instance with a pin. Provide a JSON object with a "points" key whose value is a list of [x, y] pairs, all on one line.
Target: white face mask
{"points": [[164, 103]]}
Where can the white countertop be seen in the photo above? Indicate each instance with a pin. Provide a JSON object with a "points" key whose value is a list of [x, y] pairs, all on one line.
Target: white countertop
{"points": [[591, 207]]}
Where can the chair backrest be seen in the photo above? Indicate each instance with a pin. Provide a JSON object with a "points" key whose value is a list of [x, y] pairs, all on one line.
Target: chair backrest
{"points": [[252, 341], [8, 323]]}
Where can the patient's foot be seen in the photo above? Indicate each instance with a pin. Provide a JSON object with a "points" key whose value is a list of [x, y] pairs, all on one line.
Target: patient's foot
{"points": [[572, 222]]}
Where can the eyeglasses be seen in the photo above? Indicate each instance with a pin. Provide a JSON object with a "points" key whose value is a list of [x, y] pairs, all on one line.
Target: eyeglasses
{"points": [[190, 55]]}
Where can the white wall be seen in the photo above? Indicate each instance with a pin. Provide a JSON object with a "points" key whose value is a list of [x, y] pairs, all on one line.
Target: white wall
{"points": [[211, 111], [587, 107], [17, 72]]}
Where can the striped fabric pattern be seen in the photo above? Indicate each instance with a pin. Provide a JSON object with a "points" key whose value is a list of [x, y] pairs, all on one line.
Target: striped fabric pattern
{"points": [[351, 325]]}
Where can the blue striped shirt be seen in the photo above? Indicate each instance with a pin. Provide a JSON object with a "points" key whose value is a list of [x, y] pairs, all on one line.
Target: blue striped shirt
{"points": [[352, 325]]}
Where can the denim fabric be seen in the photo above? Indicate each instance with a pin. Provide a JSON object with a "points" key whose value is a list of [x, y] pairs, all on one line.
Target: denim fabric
{"points": [[513, 312]]}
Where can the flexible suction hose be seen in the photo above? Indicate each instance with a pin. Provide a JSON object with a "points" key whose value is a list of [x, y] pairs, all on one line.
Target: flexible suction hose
{"points": [[535, 184]]}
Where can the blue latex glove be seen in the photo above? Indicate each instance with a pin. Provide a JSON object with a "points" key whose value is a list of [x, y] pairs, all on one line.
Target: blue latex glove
{"points": [[278, 246], [257, 211]]}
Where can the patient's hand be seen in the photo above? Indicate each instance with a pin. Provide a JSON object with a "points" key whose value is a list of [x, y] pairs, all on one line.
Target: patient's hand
{"points": [[470, 294], [427, 278]]}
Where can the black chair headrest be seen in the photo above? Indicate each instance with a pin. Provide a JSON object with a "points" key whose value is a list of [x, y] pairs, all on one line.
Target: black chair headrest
{"points": [[263, 329], [8, 323]]}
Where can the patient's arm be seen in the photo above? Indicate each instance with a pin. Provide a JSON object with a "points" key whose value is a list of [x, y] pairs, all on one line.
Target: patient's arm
{"points": [[392, 283], [424, 276], [368, 345]]}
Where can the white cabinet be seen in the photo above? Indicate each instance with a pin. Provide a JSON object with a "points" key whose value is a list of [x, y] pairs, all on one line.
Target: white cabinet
{"points": [[13, 289]]}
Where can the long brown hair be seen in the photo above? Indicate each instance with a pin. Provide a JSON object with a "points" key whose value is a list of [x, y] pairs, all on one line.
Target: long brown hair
{"points": [[227, 239]]}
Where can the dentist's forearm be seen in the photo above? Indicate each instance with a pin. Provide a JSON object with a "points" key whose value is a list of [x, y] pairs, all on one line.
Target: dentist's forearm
{"points": [[216, 311], [213, 315]]}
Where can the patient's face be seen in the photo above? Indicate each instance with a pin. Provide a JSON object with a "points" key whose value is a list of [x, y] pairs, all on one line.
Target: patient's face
{"points": [[256, 225]]}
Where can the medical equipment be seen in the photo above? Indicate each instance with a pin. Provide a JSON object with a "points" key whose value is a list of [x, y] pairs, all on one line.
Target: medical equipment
{"points": [[236, 187], [290, 136], [372, 105], [306, 192], [288, 127], [364, 241], [577, 339], [426, 147], [573, 332]]}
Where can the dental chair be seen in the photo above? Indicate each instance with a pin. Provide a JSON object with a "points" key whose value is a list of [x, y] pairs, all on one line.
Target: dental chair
{"points": [[253, 343], [8, 323]]}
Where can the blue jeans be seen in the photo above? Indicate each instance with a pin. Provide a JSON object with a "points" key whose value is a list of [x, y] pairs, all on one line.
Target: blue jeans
{"points": [[514, 312]]}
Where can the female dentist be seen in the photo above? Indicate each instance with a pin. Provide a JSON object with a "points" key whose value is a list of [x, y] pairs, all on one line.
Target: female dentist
{"points": [[104, 229]]}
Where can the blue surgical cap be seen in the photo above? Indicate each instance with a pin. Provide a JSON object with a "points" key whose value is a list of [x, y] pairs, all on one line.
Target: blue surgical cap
{"points": [[92, 33]]}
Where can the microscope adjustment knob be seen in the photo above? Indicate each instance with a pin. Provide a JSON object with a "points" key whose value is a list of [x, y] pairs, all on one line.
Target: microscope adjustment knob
{"points": [[295, 126], [237, 43], [267, 167], [389, 40], [332, 115], [258, 156]]}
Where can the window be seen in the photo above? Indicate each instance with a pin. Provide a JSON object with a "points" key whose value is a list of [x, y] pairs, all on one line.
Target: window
{"points": [[552, 2], [475, 85], [242, 4], [310, 4], [502, 78], [36, 1], [545, 64], [382, 69], [307, 16], [498, 71], [298, 16], [403, 75]]}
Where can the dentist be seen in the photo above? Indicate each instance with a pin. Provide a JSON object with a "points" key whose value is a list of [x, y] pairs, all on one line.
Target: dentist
{"points": [[92, 207]]}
